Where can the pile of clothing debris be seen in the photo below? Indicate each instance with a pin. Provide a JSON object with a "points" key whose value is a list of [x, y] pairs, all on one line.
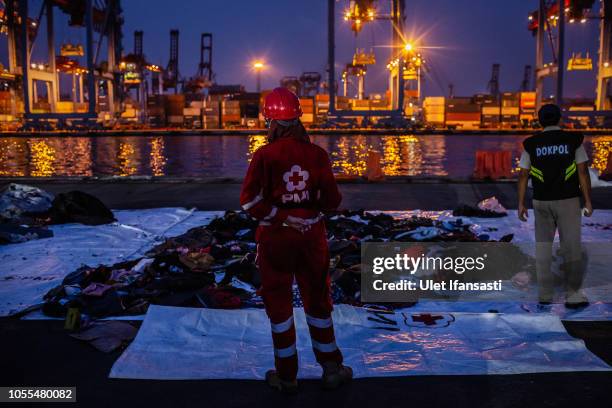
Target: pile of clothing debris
{"points": [[214, 266], [26, 211]]}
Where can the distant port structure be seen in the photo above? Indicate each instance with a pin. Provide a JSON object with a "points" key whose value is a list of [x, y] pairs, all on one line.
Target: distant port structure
{"points": [[104, 83]]}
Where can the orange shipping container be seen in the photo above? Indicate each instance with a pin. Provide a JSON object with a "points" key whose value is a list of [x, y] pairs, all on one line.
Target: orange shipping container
{"points": [[231, 118], [463, 116], [528, 100]]}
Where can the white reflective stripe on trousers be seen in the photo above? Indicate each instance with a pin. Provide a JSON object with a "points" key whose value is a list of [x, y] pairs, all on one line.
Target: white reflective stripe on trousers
{"points": [[319, 323], [285, 352], [283, 326], [324, 347]]}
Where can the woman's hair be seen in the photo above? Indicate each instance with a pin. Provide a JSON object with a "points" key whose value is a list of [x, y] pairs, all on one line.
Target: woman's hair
{"points": [[282, 129]]}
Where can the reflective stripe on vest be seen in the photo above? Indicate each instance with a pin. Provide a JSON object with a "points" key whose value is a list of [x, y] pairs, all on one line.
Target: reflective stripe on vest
{"points": [[570, 171], [537, 173]]}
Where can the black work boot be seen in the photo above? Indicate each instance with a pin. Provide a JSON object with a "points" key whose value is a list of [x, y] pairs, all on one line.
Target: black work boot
{"points": [[286, 387], [334, 375]]}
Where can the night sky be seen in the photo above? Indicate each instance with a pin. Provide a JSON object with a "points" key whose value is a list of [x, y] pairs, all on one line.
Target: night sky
{"points": [[466, 37], [292, 37]]}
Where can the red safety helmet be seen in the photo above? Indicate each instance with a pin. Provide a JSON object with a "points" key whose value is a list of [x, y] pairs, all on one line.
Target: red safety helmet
{"points": [[282, 104]]}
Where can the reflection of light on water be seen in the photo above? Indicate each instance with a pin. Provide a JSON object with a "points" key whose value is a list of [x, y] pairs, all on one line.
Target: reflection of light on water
{"points": [[126, 161], [158, 160], [350, 155], [601, 153], [403, 155], [434, 156], [255, 142], [11, 153], [392, 157], [42, 158], [75, 156]]}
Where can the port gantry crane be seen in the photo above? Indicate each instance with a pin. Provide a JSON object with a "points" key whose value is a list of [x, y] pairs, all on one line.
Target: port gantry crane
{"points": [[101, 19], [359, 13], [555, 13]]}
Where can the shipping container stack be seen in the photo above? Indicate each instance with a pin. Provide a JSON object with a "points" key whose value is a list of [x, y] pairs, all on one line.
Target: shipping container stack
{"points": [[308, 111], [173, 107], [510, 108], [490, 113], [5, 106], [527, 108], [378, 102], [321, 107], [462, 113], [192, 115], [360, 104], [210, 114], [155, 111], [230, 113], [434, 107]]}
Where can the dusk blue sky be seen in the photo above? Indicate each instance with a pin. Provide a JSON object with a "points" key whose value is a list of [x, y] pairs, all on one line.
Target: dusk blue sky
{"points": [[291, 36]]}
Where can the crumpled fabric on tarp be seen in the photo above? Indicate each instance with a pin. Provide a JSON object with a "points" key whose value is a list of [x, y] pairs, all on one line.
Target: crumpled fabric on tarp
{"points": [[492, 204], [185, 344], [17, 199], [77, 206]]}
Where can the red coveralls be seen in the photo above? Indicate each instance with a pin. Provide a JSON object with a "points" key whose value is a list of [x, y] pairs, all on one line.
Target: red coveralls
{"points": [[291, 176]]}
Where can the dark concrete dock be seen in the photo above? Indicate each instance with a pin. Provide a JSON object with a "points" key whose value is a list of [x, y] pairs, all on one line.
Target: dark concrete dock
{"points": [[216, 194]]}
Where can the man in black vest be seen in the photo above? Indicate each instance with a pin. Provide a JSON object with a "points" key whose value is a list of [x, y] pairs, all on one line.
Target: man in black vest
{"points": [[557, 164]]}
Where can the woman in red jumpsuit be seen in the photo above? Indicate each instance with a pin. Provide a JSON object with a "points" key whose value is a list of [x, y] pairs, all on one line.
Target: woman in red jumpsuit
{"points": [[288, 185]]}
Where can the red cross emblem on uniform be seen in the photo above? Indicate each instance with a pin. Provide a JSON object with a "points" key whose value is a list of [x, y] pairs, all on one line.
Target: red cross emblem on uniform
{"points": [[296, 178]]}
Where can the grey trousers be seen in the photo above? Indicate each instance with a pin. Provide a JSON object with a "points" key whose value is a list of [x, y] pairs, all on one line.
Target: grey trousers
{"points": [[564, 216]]}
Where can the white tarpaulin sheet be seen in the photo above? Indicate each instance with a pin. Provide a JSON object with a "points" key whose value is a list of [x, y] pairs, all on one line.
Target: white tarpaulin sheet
{"points": [[28, 270], [185, 343]]}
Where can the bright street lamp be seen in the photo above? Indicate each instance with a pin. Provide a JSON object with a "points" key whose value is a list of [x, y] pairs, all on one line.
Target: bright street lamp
{"points": [[258, 66]]}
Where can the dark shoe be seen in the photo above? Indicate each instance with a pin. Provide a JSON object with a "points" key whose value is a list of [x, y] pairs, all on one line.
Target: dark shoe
{"points": [[286, 387], [334, 375], [576, 300]]}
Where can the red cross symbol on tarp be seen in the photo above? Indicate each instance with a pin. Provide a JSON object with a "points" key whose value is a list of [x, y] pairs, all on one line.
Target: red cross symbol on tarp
{"points": [[427, 319]]}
